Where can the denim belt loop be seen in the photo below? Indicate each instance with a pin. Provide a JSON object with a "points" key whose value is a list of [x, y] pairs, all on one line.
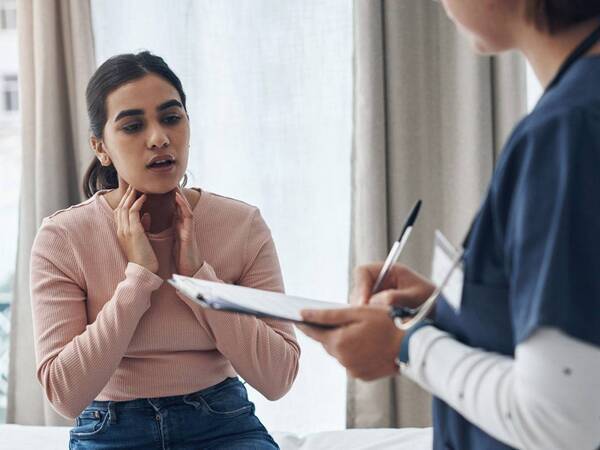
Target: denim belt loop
{"points": [[112, 412]]}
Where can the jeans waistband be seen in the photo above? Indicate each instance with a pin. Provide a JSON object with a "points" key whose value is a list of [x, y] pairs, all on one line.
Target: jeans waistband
{"points": [[157, 402]]}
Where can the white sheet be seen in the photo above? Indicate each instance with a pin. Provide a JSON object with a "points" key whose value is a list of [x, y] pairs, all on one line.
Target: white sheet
{"points": [[19, 437]]}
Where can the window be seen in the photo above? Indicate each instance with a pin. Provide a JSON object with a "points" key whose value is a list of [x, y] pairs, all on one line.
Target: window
{"points": [[10, 161], [269, 86], [8, 15], [11, 93]]}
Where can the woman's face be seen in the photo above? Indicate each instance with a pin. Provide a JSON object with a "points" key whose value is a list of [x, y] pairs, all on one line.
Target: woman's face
{"points": [[490, 24], [146, 135]]}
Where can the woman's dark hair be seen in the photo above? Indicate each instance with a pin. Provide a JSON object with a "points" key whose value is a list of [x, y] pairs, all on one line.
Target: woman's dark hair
{"points": [[556, 15], [112, 74]]}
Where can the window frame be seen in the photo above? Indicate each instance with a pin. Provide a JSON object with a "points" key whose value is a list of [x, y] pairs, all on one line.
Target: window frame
{"points": [[8, 15]]}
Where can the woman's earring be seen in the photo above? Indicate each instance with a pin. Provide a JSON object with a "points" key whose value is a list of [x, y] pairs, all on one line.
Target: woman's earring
{"points": [[183, 181]]}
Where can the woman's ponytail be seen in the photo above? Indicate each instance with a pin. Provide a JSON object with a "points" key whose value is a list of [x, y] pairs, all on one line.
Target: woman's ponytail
{"points": [[98, 177]]}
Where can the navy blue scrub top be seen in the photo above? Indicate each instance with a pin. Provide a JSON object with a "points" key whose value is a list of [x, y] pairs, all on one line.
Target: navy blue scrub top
{"points": [[533, 256]]}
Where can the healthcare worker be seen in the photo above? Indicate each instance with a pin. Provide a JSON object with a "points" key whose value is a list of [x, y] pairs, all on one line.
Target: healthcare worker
{"points": [[515, 360]]}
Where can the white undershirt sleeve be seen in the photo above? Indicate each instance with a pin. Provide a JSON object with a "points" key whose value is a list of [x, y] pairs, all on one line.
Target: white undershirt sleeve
{"points": [[547, 397]]}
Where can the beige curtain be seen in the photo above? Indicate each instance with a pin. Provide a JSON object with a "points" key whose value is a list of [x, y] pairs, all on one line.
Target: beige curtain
{"points": [[56, 61], [430, 118]]}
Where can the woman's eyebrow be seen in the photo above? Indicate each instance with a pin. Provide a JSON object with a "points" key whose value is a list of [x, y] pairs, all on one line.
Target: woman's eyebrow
{"points": [[168, 104], [129, 112], [140, 112]]}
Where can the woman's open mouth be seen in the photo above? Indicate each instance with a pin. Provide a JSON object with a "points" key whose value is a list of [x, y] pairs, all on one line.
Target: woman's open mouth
{"points": [[162, 165]]}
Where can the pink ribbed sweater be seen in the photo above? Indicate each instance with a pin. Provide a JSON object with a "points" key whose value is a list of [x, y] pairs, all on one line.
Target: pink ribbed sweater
{"points": [[107, 329]]}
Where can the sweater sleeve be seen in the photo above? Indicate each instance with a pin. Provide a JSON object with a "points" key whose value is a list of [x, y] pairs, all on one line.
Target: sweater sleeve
{"points": [[75, 358], [263, 352]]}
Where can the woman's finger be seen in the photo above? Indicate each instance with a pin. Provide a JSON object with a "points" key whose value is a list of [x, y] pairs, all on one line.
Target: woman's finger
{"points": [[186, 208], [123, 197], [118, 210], [130, 199], [137, 205], [124, 211], [177, 219], [134, 211]]}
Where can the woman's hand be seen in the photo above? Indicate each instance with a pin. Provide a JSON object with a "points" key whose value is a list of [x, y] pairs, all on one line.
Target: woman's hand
{"points": [[187, 256], [401, 287], [131, 233]]}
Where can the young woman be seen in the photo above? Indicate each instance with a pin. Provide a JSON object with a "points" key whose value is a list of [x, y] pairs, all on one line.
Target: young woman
{"points": [[138, 364], [517, 363]]}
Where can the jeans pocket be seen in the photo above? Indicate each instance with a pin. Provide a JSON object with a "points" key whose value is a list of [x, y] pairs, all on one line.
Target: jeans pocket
{"points": [[90, 423], [229, 401]]}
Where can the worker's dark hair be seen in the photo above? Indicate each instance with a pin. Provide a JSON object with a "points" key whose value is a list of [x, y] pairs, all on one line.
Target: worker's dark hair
{"points": [[556, 15]]}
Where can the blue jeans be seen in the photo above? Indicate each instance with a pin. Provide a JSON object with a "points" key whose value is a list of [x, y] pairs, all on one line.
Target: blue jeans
{"points": [[219, 417]]}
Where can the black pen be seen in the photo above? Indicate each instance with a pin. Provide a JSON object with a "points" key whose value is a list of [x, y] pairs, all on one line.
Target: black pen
{"points": [[397, 247]]}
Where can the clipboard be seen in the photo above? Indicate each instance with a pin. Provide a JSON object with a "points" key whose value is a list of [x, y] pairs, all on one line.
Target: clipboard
{"points": [[243, 300]]}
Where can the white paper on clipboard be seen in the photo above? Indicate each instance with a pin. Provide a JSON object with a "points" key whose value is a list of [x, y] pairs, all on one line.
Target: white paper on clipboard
{"points": [[244, 300]]}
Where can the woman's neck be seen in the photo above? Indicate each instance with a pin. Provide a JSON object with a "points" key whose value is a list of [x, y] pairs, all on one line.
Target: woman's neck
{"points": [[161, 207], [547, 52]]}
